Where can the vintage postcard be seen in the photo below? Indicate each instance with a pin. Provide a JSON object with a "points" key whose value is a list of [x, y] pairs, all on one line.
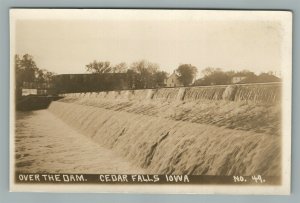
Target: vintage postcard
{"points": [[150, 101]]}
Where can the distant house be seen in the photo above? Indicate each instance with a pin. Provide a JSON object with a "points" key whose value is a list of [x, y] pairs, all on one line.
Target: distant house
{"points": [[26, 92], [237, 79], [173, 80], [36, 88]]}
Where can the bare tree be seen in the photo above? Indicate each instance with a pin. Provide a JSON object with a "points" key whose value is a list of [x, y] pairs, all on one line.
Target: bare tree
{"points": [[120, 68], [145, 71], [99, 67]]}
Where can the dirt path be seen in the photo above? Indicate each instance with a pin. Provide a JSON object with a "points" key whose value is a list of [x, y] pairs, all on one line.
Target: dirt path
{"points": [[45, 144]]}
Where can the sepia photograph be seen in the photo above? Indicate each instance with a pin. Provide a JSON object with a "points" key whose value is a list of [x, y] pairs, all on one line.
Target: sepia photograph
{"points": [[150, 101]]}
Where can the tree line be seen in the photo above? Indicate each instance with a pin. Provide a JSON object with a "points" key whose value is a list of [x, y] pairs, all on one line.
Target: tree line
{"points": [[216, 76], [141, 74], [28, 74]]}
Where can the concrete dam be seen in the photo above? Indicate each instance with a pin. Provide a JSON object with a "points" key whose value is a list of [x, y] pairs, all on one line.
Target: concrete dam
{"points": [[213, 130]]}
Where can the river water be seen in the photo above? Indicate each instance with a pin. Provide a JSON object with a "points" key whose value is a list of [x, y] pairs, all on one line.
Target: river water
{"points": [[166, 146], [45, 144]]}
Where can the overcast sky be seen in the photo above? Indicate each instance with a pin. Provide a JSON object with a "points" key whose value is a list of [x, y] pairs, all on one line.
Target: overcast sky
{"points": [[66, 46]]}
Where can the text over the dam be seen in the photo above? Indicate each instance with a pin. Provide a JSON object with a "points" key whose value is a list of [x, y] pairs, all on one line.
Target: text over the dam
{"points": [[134, 179]]}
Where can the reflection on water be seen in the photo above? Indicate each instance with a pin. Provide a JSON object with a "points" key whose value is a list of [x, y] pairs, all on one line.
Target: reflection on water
{"points": [[43, 143]]}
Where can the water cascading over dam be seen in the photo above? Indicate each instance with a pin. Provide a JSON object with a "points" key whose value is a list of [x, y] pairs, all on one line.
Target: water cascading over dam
{"points": [[215, 130]]}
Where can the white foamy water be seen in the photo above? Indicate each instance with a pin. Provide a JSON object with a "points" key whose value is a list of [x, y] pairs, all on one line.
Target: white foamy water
{"points": [[46, 144], [164, 146], [220, 130]]}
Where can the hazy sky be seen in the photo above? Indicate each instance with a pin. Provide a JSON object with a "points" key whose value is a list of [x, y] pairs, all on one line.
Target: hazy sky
{"points": [[66, 46]]}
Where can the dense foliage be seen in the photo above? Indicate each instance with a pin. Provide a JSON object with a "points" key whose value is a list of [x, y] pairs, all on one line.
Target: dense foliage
{"points": [[216, 76], [29, 75], [187, 73]]}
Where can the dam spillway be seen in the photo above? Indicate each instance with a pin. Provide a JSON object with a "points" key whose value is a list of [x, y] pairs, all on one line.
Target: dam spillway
{"points": [[214, 130]]}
